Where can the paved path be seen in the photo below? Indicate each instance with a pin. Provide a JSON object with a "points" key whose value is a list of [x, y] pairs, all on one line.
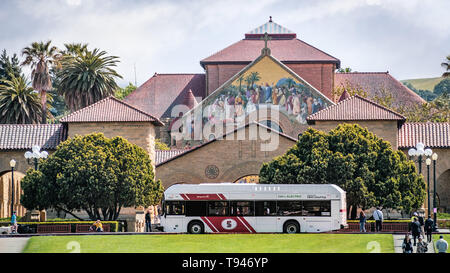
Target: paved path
{"points": [[398, 241], [12, 245]]}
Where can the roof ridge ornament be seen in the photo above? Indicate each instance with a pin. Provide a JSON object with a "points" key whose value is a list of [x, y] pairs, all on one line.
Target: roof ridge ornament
{"points": [[266, 50]]}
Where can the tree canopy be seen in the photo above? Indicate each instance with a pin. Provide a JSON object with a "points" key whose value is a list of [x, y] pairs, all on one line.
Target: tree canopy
{"points": [[95, 174], [364, 165]]}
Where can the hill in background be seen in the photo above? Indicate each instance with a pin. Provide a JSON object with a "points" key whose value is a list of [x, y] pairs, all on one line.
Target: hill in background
{"points": [[423, 84]]}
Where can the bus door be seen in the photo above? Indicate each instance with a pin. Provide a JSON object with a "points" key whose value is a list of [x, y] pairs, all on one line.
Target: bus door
{"points": [[266, 216], [174, 216]]}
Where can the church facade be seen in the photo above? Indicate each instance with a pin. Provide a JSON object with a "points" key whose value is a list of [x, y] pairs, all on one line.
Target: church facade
{"points": [[254, 99]]}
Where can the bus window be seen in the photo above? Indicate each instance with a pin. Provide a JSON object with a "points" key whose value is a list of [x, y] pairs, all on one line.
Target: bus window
{"points": [[174, 207], [316, 208], [241, 208], [217, 208], [289, 208], [196, 208], [265, 208]]}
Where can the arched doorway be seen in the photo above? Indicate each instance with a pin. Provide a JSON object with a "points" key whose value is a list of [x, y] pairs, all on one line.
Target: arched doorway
{"points": [[5, 194], [252, 179], [443, 190]]}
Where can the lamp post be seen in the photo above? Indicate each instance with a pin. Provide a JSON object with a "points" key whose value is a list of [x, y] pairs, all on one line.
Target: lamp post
{"points": [[12, 164], [420, 151], [434, 157], [35, 155], [428, 162]]}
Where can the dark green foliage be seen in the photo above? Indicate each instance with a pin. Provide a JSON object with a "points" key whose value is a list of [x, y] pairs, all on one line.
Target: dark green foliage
{"points": [[121, 93], [93, 173], [19, 103], [443, 87], [424, 94], [9, 66], [365, 166]]}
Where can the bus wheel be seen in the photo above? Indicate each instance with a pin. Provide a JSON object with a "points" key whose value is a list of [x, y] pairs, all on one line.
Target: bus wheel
{"points": [[291, 227], [196, 227]]}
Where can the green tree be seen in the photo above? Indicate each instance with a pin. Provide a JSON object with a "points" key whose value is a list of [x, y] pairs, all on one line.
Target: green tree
{"points": [[95, 174], [87, 78], [446, 65], [345, 70], [159, 145], [365, 166], [121, 93], [443, 87], [8, 66], [41, 57], [19, 103]]}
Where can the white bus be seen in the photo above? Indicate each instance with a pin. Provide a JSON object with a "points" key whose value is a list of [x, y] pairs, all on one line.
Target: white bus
{"points": [[250, 208]]}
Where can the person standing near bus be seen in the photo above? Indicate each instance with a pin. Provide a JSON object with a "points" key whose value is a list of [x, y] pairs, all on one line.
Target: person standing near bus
{"points": [[378, 216], [148, 222], [362, 222], [429, 225]]}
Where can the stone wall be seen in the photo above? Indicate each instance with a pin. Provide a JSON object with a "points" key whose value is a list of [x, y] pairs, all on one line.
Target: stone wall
{"points": [[224, 160], [139, 133], [386, 130], [5, 194]]}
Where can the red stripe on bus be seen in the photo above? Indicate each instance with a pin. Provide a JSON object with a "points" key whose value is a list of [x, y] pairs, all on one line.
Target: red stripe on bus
{"points": [[210, 225], [195, 196], [223, 196], [247, 224]]}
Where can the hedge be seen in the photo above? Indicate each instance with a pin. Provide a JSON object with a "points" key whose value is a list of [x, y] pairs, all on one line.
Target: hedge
{"points": [[113, 225]]}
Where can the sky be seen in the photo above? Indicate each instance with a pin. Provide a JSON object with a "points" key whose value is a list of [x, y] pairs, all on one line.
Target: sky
{"points": [[408, 38]]}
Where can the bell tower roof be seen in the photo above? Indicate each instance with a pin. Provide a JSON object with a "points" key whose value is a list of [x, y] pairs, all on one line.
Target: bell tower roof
{"points": [[274, 30]]}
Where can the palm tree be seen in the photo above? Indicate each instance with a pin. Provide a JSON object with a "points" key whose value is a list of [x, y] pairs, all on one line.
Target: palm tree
{"points": [[446, 65], [41, 57], [87, 78], [19, 103], [75, 49]]}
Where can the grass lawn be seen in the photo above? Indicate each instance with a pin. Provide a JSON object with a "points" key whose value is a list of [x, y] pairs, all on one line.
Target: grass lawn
{"points": [[214, 243], [425, 83], [446, 237]]}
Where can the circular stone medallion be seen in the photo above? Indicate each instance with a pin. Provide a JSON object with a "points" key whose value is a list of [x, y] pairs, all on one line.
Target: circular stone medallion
{"points": [[212, 171]]}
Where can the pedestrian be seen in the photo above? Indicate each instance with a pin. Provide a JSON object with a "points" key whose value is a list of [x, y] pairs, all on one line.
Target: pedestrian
{"points": [[362, 222], [441, 245], [414, 216], [148, 222], [14, 223], [407, 245], [378, 216], [422, 247], [415, 230], [429, 226], [422, 225]]}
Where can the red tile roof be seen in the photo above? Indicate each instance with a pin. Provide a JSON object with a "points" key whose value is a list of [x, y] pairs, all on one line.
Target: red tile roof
{"points": [[24, 136], [163, 155], [162, 92], [285, 50], [373, 82], [189, 100], [110, 109], [345, 95], [432, 135], [355, 108]]}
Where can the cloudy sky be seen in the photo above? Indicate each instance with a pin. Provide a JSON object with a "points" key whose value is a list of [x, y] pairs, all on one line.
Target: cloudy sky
{"points": [[408, 38]]}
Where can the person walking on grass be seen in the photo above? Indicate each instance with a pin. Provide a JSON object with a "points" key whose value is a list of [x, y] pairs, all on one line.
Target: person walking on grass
{"points": [[378, 216], [422, 247], [441, 245], [148, 222], [362, 222], [407, 244], [415, 230], [429, 225]]}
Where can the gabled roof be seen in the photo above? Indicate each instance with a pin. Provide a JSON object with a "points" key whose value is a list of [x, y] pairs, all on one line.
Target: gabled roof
{"points": [[24, 136], [431, 134], [162, 92], [285, 50], [189, 100], [355, 108], [374, 82], [177, 155], [110, 109]]}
